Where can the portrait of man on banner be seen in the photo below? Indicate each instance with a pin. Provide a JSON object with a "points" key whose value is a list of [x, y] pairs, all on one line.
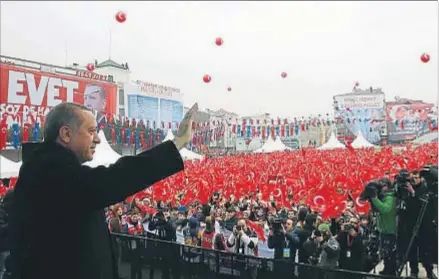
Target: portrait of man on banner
{"points": [[95, 98]]}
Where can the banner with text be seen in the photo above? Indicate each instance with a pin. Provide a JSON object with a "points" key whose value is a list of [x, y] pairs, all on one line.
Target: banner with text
{"points": [[407, 121], [154, 103], [362, 113], [27, 95], [358, 101]]}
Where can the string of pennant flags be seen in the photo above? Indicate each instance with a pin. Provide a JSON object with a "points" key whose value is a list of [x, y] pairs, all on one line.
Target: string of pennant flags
{"points": [[146, 134]]}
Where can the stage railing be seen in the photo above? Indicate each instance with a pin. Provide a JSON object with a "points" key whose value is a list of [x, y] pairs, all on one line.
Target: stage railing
{"points": [[144, 258]]}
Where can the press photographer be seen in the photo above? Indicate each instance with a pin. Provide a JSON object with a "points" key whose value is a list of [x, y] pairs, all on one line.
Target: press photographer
{"points": [[382, 197], [284, 241], [160, 228], [417, 231], [243, 240], [323, 248], [352, 249]]}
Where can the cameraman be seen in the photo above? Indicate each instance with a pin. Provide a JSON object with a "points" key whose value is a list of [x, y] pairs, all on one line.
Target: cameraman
{"points": [[323, 248], [160, 228], [383, 199], [243, 240], [284, 241], [422, 247]]}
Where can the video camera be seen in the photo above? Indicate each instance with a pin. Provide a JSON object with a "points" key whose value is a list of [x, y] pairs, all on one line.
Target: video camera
{"points": [[276, 225], [372, 189], [159, 219], [402, 177], [428, 173], [401, 180]]}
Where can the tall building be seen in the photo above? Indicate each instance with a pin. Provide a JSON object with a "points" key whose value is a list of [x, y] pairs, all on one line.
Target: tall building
{"points": [[120, 74], [408, 119], [362, 110]]}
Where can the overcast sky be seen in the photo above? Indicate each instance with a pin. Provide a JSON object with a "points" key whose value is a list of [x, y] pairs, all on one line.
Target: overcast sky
{"points": [[324, 47]]}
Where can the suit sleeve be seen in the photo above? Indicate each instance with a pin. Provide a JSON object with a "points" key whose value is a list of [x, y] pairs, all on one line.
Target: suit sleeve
{"points": [[293, 238], [99, 187]]}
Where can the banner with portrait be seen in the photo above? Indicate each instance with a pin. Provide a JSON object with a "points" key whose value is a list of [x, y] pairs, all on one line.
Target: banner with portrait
{"points": [[27, 95], [407, 121], [362, 112]]}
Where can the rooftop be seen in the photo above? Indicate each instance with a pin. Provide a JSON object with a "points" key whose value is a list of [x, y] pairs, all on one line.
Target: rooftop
{"points": [[111, 63]]}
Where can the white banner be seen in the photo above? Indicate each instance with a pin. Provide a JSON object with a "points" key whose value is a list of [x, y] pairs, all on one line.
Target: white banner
{"points": [[360, 101]]}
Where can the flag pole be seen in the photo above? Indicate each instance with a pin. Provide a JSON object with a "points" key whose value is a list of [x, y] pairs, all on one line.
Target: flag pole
{"points": [[66, 56], [109, 54]]}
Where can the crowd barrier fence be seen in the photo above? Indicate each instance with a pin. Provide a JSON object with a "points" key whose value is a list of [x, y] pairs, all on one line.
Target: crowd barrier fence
{"points": [[145, 258]]}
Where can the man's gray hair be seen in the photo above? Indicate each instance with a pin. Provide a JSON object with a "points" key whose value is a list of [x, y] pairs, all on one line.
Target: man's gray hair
{"points": [[64, 114]]}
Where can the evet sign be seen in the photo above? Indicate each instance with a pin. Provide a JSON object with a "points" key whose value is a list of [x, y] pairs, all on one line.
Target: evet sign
{"points": [[26, 95]]}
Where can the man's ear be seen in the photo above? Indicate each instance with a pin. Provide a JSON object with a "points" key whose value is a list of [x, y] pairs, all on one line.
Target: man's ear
{"points": [[65, 134]]}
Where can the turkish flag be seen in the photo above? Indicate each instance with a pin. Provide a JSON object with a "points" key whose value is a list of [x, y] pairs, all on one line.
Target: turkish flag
{"points": [[26, 132], [3, 135]]}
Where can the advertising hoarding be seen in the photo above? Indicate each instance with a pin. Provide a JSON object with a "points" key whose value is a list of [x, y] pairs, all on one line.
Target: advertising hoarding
{"points": [[407, 121], [27, 94], [154, 103], [362, 112]]}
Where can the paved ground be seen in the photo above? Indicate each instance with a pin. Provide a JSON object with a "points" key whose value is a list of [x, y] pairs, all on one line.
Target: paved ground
{"points": [[125, 270], [406, 271]]}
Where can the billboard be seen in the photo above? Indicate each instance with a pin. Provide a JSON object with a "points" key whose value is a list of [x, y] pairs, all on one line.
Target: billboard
{"points": [[153, 103], [27, 95], [362, 112], [360, 101], [407, 121]]}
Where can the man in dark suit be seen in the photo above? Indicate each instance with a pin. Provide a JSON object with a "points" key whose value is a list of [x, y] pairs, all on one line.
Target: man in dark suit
{"points": [[58, 225]]}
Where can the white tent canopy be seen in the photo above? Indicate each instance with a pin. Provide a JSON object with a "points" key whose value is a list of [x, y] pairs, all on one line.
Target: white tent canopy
{"points": [[272, 146], [332, 143], [427, 138], [280, 145], [267, 147], [104, 155], [185, 153], [169, 135], [9, 168], [254, 144], [361, 142]]}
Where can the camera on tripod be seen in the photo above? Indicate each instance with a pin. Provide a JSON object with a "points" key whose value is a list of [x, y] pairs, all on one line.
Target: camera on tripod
{"points": [[401, 180], [430, 175], [425, 194]]}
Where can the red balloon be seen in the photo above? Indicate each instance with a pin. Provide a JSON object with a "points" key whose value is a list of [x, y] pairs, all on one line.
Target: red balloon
{"points": [[90, 67], [357, 84], [425, 57], [229, 88], [219, 41], [283, 75], [207, 78], [121, 17]]}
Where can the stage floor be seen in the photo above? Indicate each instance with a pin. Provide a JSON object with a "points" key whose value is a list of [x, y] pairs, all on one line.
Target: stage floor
{"points": [[406, 271]]}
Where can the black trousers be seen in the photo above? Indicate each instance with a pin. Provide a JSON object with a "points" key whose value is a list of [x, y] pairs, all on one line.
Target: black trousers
{"points": [[388, 253], [421, 251]]}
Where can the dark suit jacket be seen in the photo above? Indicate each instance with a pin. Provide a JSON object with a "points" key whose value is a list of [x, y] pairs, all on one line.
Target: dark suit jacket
{"points": [[356, 261], [58, 225]]}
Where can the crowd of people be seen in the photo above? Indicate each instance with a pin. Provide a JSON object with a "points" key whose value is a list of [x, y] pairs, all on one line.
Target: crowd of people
{"points": [[302, 205]]}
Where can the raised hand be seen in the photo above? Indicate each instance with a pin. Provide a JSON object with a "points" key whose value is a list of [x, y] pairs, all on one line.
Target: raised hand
{"points": [[184, 133]]}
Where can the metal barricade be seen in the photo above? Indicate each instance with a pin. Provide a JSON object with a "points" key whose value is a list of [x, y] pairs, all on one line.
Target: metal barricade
{"points": [[144, 258]]}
